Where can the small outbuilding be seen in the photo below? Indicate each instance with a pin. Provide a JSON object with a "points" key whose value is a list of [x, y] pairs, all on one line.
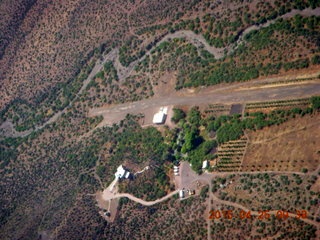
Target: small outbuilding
{"points": [[205, 164], [181, 194], [160, 117]]}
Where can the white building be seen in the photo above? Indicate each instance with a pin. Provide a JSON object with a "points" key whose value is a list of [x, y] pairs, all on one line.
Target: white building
{"points": [[121, 172], [181, 194], [205, 164], [160, 117], [176, 170]]}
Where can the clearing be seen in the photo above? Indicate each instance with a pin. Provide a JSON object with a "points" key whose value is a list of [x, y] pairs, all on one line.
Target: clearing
{"points": [[297, 138]]}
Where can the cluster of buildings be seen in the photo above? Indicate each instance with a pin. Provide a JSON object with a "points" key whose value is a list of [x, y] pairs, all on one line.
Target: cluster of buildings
{"points": [[189, 192], [122, 173]]}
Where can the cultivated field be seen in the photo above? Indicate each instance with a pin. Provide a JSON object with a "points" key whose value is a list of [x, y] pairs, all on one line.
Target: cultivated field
{"points": [[291, 146]]}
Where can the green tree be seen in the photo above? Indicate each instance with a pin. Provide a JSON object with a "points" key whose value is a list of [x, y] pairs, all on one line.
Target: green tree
{"points": [[178, 114], [315, 59], [194, 117], [315, 101], [189, 140]]}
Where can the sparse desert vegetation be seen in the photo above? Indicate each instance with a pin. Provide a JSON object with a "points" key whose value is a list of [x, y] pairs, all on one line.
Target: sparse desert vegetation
{"points": [[60, 59]]}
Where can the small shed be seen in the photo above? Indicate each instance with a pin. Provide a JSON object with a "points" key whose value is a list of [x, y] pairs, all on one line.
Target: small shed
{"points": [[205, 164], [181, 194]]}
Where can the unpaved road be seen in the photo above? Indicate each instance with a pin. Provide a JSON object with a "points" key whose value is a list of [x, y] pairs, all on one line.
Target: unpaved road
{"points": [[236, 93], [8, 128], [109, 196], [123, 72], [188, 178]]}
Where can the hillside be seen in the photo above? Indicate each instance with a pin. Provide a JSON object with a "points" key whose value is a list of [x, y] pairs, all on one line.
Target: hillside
{"points": [[80, 82], [49, 53]]}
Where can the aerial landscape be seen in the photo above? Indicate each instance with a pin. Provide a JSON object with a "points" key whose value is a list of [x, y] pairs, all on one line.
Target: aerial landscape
{"points": [[180, 119]]}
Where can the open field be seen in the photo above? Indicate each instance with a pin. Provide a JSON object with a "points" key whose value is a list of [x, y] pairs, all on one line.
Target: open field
{"points": [[291, 146]]}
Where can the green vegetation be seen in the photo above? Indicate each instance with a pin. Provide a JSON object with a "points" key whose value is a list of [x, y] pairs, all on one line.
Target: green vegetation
{"points": [[127, 52], [315, 59], [187, 143], [233, 127], [230, 154], [27, 116], [280, 103], [315, 101], [111, 71], [204, 192], [269, 50], [194, 117], [178, 114], [105, 88], [107, 75], [140, 148], [270, 191], [53, 172]]}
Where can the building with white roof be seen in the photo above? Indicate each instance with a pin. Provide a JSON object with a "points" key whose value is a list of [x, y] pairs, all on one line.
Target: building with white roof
{"points": [[181, 194], [121, 172], [205, 164], [160, 117]]}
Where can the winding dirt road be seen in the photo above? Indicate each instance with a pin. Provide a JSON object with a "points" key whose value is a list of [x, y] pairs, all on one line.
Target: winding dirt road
{"points": [[109, 196], [123, 72], [8, 128]]}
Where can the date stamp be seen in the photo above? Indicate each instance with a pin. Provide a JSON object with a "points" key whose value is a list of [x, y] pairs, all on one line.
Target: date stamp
{"points": [[261, 215]]}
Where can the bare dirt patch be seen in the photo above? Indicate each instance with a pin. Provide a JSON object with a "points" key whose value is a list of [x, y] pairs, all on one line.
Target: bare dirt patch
{"points": [[291, 146], [101, 202], [165, 85]]}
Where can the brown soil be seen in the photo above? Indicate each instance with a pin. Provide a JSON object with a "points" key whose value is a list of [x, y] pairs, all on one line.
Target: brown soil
{"points": [[291, 146], [166, 85]]}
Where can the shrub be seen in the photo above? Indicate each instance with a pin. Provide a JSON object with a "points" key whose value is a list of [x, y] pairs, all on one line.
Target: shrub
{"points": [[315, 59], [178, 114], [315, 101]]}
